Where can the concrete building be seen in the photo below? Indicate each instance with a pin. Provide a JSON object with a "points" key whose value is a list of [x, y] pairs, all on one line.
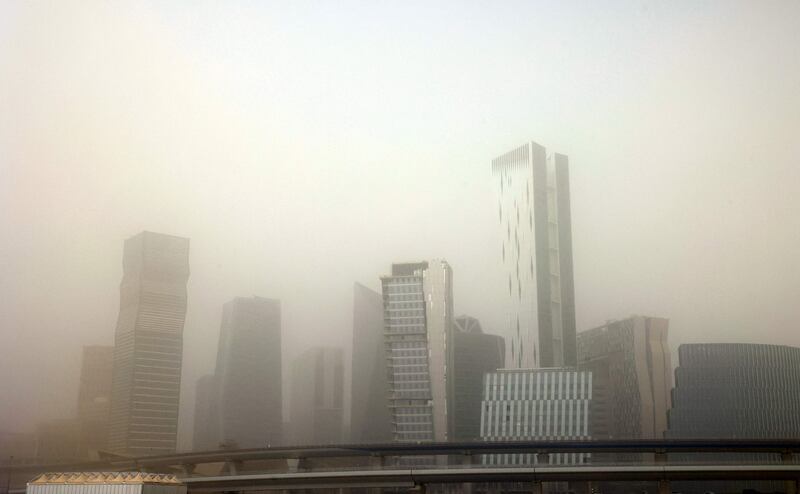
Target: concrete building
{"points": [[94, 398], [148, 345], [475, 354], [370, 421], [206, 415], [58, 441], [631, 360], [248, 373], [317, 397], [418, 319], [536, 253], [530, 404]]}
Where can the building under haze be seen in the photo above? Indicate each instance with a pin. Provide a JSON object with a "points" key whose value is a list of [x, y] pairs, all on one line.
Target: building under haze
{"points": [[533, 211], [248, 373], [94, 398], [370, 421], [531, 404], [475, 354], [630, 360], [317, 397], [418, 318], [148, 345], [206, 415]]}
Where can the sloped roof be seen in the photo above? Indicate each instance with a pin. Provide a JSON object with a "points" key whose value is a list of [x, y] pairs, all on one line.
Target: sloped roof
{"points": [[105, 478]]}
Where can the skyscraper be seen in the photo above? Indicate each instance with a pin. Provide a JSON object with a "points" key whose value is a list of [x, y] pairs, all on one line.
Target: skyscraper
{"points": [[206, 415], [94, 397], [369, 412], [536, 254], [418, 317], [631, 360], [317, 397], [148, 345], [249, 373], [475, 354]]}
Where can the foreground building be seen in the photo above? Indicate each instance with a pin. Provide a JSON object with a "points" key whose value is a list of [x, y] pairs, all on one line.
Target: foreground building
{"points": [[94, 398], [418, 318], [730, 391], [148, 345], [530, 404], [630, 360], [248, 373], [536, 254], [317, 397], [370, 421], [475, 354], [206, 415]]}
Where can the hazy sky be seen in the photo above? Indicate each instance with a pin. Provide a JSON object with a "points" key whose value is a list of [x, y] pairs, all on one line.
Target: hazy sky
{"points": [[303, 146]]}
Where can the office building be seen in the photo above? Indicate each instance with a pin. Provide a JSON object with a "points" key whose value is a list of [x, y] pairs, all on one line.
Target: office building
{"points": [[148, 346], [94, 398], [631, 360], [418, 320], [370, 421], [531, 404], [317, 397], [206, 415], [58, 440], [536, 255], [732, 391], [248, 373], [475, 354]]}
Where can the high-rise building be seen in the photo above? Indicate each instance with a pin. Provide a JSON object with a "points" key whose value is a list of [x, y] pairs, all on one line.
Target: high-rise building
{"points": [[94, 397], [732, 391], [475, 354], [630, 359], [418, 319], [536, 254], [148, 345], [317, 397], [249, 373], [206, 415], [530, 404], [370, 421]]}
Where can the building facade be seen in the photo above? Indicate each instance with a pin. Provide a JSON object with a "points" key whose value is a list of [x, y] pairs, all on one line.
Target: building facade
{"points": [[536, 255], [475, 354], [530, 404], [370, 421], [317, 397], [418, 319], [206, 415], [631, 360], [148, 345], [94, 398], [248, 373]]}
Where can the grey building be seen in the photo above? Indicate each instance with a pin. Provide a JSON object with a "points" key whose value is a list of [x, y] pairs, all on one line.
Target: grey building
{"points": [[530, 404], [94, 398], [317, 397], [731, 391], [370, 421], [536, 253], [418, 319], [475, 354], [630, 359], [248, 374], [206, 415], [148, 345]]}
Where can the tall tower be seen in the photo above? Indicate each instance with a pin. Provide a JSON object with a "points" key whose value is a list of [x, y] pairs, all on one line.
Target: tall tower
{"points": [[317, 397], [536, 253], [94, 397], [248, 373], [148, 345], [418, 318], [369, 413]]}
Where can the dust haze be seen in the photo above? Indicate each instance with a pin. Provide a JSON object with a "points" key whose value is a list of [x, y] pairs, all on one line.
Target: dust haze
{"points": [[303, 147]]}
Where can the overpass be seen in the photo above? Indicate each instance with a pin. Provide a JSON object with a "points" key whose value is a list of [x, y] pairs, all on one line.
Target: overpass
{"points": [[381, 465]]}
